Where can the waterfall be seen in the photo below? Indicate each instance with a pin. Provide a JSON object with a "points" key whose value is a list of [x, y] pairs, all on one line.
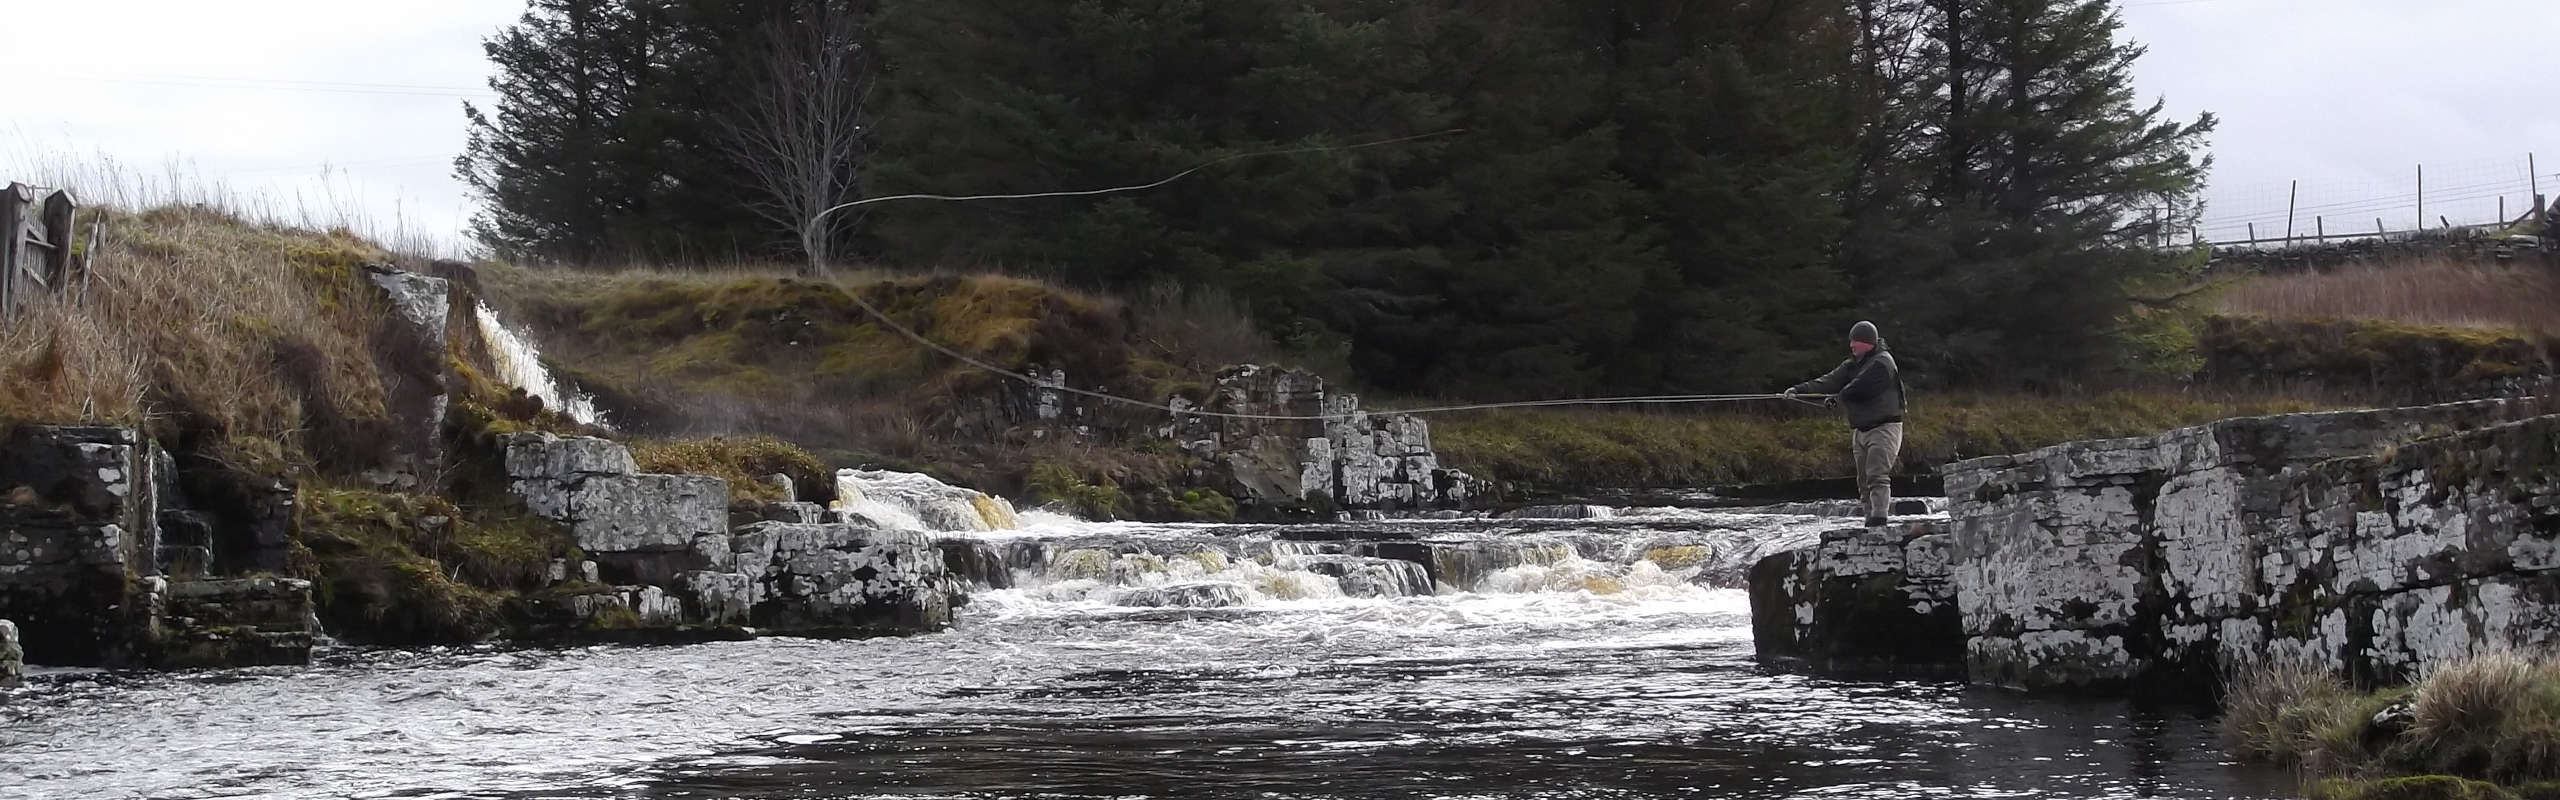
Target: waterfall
{"points": [[520, 365], [908, 501]]}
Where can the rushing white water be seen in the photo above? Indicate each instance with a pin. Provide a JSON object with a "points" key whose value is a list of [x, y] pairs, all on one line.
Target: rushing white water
{"points": [[1549, 658], [520, 365], [908, 501]]}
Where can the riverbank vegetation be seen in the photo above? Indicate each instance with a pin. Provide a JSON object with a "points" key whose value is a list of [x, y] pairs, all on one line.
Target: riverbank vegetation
{"points": [[2485, 728]]}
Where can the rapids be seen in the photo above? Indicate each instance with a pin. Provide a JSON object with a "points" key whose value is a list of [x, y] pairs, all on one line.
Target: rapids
{"points": [[1605, 657]]}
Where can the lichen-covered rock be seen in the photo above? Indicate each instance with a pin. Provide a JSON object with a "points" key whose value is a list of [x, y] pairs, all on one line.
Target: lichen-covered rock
{"points": [[1334, 454], [12, 659], [843, 579], [2377, 542], [640, 528], [1866, 602]]}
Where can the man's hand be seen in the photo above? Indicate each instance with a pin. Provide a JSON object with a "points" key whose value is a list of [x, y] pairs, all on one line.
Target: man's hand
{"points": [[1831, 401], [1789, 394]]}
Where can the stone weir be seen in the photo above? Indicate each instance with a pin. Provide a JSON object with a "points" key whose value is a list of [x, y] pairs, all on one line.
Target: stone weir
{"points": [[663, 554], [2377, 543]]}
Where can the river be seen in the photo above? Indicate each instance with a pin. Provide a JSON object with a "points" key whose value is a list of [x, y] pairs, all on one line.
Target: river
{"points": [[1587, 658]]}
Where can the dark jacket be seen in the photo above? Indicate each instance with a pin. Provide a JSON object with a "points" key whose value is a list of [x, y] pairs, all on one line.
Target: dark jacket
{"points": [[1868, 387]]}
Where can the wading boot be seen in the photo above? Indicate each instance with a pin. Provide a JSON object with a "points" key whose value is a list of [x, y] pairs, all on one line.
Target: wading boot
{"points": [[1875, 522]]}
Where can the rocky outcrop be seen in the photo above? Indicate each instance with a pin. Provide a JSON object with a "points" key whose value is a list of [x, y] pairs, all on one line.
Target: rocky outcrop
{"points": [[81, 562], [12, 659], [409, 345], [1865, 602], [663, 545], [639, 528], [836, 578], [2375, 543], [2149, 563], [1340, 456]]}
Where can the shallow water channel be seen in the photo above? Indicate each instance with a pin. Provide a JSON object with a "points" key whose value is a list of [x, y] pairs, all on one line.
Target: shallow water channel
{"points": [[1593, 658]]}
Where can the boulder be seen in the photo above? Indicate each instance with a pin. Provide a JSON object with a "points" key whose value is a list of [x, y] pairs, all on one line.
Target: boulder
{"points": [[12, 659], [842, 579], [640, 528], [1865, 602]]}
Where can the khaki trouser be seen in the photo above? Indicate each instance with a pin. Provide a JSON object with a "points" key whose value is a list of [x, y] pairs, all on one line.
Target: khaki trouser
{"points": [[1877, 447]]}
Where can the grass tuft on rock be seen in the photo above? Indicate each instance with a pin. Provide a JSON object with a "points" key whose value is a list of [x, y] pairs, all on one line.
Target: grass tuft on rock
{"points": [[395, 568], [743, 461]]}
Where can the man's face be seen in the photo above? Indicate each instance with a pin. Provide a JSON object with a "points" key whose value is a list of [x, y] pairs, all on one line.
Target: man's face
{"points": [[1858, 348]]}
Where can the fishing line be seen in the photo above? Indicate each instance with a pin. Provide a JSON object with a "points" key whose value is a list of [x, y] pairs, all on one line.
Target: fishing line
{"points": [[903, 330]]}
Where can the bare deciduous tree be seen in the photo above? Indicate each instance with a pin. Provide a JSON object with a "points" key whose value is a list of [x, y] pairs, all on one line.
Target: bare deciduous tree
{"points": [[800, 125]]}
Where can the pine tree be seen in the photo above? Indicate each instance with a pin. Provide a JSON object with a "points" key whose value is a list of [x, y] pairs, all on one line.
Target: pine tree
{"points": [[604, 142], [2037, 176]]}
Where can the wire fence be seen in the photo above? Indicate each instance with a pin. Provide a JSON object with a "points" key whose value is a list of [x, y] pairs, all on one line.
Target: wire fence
{"points": [[2482, 194]]}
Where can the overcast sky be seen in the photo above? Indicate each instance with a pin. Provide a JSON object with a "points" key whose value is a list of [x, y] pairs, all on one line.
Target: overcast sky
{"points": [[330, 108]]}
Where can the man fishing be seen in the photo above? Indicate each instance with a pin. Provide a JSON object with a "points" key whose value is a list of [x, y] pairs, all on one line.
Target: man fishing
{"points": [[1868, 387]]}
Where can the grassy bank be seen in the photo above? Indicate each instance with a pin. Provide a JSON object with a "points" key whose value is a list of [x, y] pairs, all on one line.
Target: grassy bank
{"points": [[1771, 442], [254, 352], [2487, 727]]}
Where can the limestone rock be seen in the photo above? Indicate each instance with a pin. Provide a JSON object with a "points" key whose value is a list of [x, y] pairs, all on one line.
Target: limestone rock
{"points": [[412, 362], [547, 457], [2374, 542], [1336, 454], [840, 578], [1864, 602], [12, 660]]}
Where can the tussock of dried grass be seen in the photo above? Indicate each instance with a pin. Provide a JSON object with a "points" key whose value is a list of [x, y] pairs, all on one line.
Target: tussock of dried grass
{"points": [[2272, 712], [196, 321], [2435, 292], [2494, 717]]}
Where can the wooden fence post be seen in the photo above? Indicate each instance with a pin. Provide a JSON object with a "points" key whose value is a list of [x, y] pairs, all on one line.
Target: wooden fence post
{"points": [[57, 236], [2290, 196], [13, 226]]}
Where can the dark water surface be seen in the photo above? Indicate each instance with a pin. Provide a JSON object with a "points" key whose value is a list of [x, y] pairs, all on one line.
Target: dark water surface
{"points": [[1595, 672]]}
